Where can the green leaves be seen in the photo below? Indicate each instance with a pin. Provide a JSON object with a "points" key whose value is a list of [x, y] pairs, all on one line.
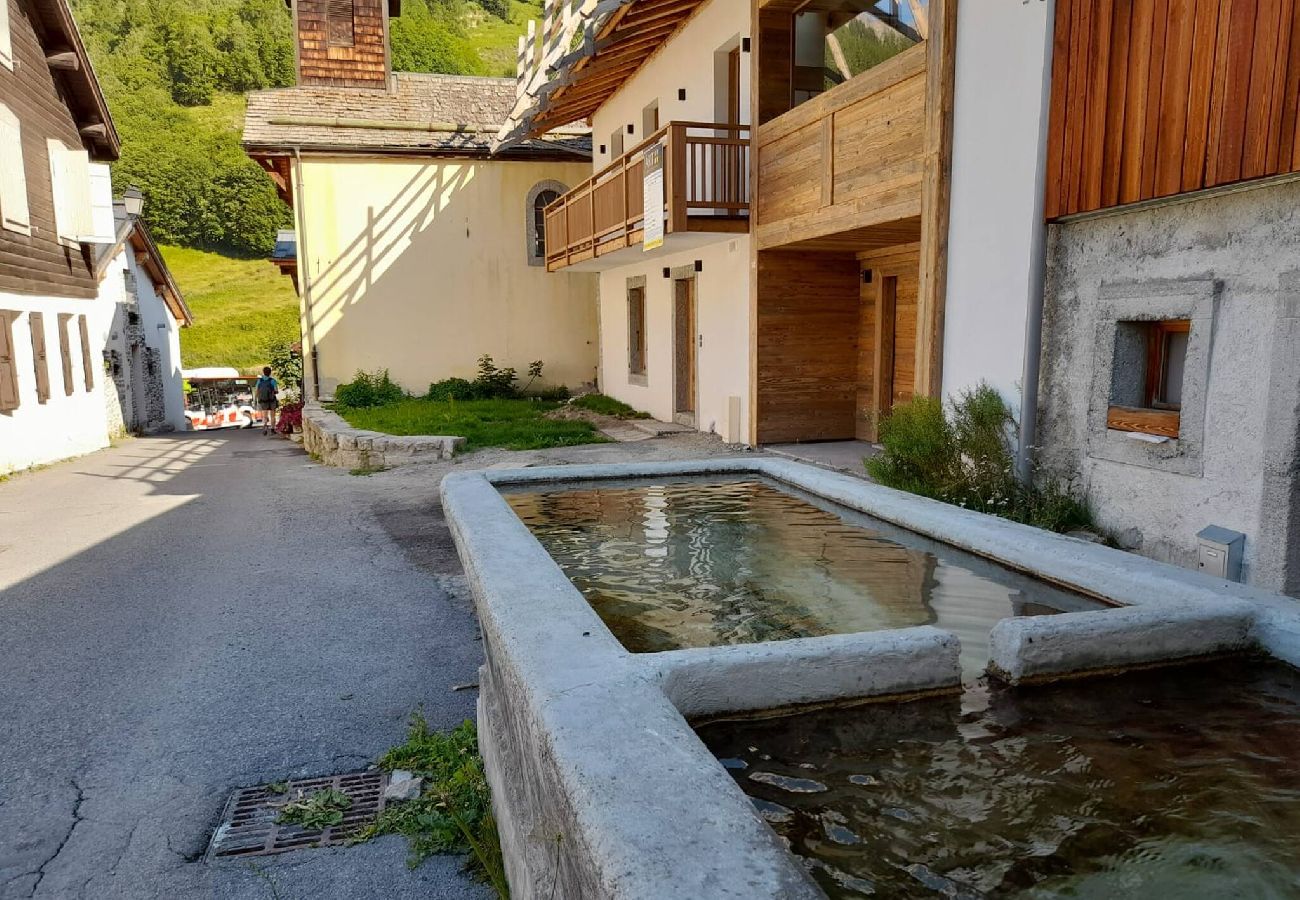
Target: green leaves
{"points": [[317, 811]]}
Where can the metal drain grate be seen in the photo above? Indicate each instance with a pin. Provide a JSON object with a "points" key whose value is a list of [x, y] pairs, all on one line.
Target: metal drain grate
{"points": [[248, 827]]}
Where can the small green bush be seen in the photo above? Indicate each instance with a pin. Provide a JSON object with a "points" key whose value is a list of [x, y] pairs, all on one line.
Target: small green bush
{"points": [[604, 405], [368, 389], [557, 394], [964, 456], [452, 389], [493, 383]]}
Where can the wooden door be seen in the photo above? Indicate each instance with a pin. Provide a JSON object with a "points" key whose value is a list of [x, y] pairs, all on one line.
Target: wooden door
{"points": [[733, 87], [886, 337], [684, 349]]}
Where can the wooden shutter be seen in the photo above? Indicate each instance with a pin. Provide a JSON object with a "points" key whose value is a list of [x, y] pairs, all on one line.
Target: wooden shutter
{"points": [[65, 352], [8, 365], [87, 356], [6, 39], [36, 321], [14, 214], [70, 181], [103, 224], [340, 22]]}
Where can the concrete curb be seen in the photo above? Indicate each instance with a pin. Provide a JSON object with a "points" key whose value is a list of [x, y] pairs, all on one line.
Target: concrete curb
{"points": [[329, 438]]}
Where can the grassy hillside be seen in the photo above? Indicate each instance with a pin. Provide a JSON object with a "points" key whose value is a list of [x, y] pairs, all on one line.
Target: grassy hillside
{"points": [[240, 306]]}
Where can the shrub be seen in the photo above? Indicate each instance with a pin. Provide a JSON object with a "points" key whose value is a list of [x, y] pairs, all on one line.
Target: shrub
{"points": [[557, 394], [964, 456], [368, 389], [290, 418], [493, 383], [452, 389]]}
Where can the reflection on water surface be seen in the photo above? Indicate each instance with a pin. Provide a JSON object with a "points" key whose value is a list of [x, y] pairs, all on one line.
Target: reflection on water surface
{"points": [[1179, 783], [703, 563]]}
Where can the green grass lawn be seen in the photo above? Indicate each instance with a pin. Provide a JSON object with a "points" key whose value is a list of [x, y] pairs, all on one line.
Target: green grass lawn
{"points": [[240, 306], [495, 40], [512, 424]]}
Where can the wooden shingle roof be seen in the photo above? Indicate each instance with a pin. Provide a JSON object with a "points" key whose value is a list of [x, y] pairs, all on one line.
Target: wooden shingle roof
{"points": [[419, 114]]}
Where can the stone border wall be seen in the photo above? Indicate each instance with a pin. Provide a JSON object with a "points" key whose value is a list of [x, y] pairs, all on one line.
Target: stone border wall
{"points": [[329, 438], [600, 786]]}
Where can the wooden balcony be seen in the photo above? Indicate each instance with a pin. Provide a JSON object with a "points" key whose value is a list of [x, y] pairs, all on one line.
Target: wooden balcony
{"points": [[706, 189]]}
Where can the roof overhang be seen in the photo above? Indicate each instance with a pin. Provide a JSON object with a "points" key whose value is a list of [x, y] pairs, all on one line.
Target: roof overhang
{"points": [[621, 37], [65, 53]]}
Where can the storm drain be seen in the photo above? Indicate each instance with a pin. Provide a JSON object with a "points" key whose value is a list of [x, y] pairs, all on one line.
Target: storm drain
{"points": [[249, 826]]}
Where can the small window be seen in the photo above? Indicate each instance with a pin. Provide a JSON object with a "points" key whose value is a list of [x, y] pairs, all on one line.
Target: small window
{"points": [[87, 354], [540, 202], [636, 344], [1147, 377], [650, 119], [65, 352], [341, 23], [14, 214], [616, 144], [6, 39], [36, 322], [8, 364]]}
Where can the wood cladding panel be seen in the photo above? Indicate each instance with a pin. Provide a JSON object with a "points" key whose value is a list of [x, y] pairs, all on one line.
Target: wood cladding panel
{"points": [[846, 160], [807, 319], [361, 63], [1152, 98], [39, 264]]}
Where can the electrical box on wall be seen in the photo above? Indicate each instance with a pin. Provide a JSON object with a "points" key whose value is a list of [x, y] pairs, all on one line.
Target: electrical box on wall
{"points": [[1219, 552]]}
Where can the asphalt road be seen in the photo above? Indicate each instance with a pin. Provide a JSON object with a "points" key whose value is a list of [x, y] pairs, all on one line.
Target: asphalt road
{"points": [[181, 616]]}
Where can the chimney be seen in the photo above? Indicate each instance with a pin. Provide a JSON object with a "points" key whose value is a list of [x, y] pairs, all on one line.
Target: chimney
{"points": [[343, 43]]}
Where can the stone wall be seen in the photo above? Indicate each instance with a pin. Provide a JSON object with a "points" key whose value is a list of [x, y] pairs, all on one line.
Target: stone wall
{"points": [[329, 438], [1231, 264]]}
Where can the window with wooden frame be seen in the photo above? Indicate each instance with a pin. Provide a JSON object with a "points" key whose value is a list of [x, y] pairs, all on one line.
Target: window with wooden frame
{"points": [[36, 322], [340, 23], [65, 352], [9, 397], [636, 339], [87, 356], [1151, 358]]}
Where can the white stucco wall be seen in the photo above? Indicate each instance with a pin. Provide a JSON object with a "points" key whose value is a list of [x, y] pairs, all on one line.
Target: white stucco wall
{"points": [[689, 61], [421, 266], [999, 139], [65, 425], [723, 323]]}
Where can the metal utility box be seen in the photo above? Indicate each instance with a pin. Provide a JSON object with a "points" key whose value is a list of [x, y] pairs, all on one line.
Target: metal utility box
{"points": [[1220, 551]]}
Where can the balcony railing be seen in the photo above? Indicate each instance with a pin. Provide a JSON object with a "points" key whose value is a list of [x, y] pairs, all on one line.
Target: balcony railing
{"points": [[706, 188]]}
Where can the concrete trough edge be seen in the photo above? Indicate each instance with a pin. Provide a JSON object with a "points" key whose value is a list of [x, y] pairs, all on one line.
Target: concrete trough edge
{"points": [[1036, 648], [709, 681]]}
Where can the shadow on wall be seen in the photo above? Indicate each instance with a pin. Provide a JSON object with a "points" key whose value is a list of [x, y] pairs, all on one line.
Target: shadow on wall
{"points": [[441, 269]]}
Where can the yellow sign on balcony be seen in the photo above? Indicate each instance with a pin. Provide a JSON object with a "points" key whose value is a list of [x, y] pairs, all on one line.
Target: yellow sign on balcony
{"points": [[652, 191]]}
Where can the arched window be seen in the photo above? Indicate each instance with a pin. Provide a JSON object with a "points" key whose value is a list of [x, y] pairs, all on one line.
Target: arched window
{"points": [[541, 196]]}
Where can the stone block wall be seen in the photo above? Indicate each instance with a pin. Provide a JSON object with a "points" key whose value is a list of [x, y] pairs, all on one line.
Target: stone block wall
{"points": [[329, 438]]}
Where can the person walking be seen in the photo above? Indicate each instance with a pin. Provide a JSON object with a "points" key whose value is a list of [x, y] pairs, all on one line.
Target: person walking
{"points": [[266, 396]]}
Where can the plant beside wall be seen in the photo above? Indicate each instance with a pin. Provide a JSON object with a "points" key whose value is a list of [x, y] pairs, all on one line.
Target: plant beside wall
{"points": [[494, 383], [604, 405], [963, 455], [453, 813], [367, 390], [290, 418]]}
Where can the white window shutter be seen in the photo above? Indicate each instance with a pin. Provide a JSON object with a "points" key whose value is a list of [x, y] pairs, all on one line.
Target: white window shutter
{"points": [[58, 186], [70, 177], [103, 230], [14, 213], [6, 39]]}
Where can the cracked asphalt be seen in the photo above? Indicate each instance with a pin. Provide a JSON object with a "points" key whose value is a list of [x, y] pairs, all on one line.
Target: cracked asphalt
{"points": [[184, 615]]}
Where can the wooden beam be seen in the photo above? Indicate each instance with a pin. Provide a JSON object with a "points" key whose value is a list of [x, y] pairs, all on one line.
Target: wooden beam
{"points": [[936, 185], [96, 132], [67, 61]]}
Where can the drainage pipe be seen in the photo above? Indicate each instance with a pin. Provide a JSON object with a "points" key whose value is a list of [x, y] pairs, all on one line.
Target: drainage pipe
{"points": [[304, 277], [1037, 273]]}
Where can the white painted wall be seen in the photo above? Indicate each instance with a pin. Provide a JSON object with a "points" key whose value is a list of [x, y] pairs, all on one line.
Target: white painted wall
{"points": [[689, 61], [66, 425], [999, 140], [723, 322]]}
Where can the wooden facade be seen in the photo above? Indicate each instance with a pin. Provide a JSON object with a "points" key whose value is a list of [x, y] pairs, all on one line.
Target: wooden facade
{"points": [[1152, 98], [342, 43], [48, 107]]}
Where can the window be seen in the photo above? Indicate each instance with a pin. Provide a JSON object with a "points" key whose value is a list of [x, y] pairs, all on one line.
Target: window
{"points": [[6, 39], [14, 214], [650, 119], [87, 356], [8, 364], [636, 343], [540, 202], [833, 46], [616, 144], [542, 195], [36, 322], [65, 352], [1147, 377], [340, 23]]}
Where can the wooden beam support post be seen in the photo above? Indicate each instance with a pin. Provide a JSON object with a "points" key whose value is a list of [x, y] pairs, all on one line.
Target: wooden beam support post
{"points": [[936, 191], [66, 61]]}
